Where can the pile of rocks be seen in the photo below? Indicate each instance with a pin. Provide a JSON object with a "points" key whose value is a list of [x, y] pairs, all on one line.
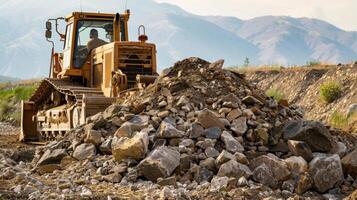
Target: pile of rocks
{"points": [[202, 128]]}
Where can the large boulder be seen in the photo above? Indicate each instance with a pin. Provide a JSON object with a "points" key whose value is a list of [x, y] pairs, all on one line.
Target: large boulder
{"points": [[134, 148], [84, 151], [299, 148], [52, 156], [136, 123], [349, 163], [313, 133], [232, 145], [326, 171], [160, 163], [234, 169], [278, 167], [209, 119]]}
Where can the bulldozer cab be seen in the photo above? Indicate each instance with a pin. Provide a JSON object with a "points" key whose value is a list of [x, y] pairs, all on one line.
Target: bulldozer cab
{"points": [[76, 54]]}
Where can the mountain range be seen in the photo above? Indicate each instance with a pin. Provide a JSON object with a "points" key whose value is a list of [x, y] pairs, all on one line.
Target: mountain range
{"points": [[282, 40]]}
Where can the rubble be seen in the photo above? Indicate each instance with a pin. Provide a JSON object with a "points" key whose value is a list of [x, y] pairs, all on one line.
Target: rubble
{"points": [[198, 131]]}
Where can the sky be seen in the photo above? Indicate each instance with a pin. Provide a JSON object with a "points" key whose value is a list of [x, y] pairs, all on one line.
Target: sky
{"points": [[341, 13]]}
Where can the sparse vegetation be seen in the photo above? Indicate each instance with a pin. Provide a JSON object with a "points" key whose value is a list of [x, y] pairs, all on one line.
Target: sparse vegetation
{"points": [[10, 99], [313, 63], [344, 122], [275, 93], [330, 91], [246, 62]]}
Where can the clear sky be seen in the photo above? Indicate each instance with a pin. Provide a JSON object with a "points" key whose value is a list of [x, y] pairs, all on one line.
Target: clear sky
{"points": [[342, 13]]}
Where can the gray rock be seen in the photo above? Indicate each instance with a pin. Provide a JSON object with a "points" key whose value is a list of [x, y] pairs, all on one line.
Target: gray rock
{"points": [[206, 143], [241, 158], [111, 111], [52, 157], [211, 152], [167, 181], [234, 169], [231, 144], [208, 119], [160, 163], [242, 181], [84, 151], [265, 176], [133, 148], [195, 130], [349, 163], [297, 165], [202, 174], [352, 109], [239, 126], [313, 133], [182, 101], [218, 65], [106, 146], [278, 167], [223, 157], [299, 148], [250, 100], [219, 183], [209, 163], [168, 130], [212, 133], [136, 123], [341, 149], [326, 171], [187, 143], [94, 137]]}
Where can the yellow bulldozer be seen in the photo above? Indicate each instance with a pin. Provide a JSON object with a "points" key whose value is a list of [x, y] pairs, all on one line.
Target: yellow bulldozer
{"points": [[98, 63]]}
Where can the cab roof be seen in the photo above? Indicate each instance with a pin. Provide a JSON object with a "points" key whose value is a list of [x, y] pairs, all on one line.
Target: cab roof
{"points": [[89, 15]]}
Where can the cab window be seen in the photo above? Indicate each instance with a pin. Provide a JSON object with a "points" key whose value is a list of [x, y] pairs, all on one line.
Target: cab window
{"points": [[90, 35], [68, 42]]}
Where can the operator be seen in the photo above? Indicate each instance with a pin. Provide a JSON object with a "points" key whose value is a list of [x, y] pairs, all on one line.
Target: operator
{"points": [[94, 41]]}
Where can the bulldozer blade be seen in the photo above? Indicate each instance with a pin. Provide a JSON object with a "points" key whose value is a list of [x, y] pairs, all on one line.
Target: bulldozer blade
{"points": [[28, 127]]}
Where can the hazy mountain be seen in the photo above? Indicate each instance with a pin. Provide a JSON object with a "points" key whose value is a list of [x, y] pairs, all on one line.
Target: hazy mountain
{"points": [[24, 51], [287, 40], [5, 79]]}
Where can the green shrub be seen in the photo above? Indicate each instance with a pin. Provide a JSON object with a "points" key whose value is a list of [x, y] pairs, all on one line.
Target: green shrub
{"points": [[330, 91], [276, 94], [339, 120]]}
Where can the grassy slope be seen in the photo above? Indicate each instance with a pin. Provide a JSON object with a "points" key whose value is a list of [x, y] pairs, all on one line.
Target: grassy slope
{"points": [[10, 100], [289, 81]]}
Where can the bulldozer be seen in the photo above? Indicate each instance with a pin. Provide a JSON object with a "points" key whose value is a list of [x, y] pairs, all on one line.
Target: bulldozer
{"points": [[83, 82]]}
